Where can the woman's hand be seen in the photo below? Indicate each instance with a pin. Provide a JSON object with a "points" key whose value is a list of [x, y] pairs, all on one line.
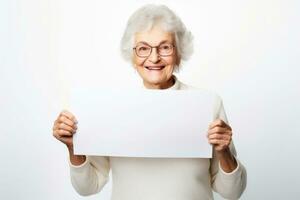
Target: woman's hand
{"points": [[220, 136], [65, 127]]}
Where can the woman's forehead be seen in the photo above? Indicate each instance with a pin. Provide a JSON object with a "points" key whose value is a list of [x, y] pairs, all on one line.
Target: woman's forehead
{"points": [[154, 36]]}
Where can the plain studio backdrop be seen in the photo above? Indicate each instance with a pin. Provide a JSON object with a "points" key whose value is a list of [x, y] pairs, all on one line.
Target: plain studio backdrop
{"points": [[246, 51]]}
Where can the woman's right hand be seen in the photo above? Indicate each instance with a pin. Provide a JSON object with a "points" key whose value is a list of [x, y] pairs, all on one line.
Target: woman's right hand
{"points": [[65, 127]]}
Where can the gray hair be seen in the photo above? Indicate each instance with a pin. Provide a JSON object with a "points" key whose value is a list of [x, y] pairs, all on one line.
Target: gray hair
{"points": [[145, 18]]}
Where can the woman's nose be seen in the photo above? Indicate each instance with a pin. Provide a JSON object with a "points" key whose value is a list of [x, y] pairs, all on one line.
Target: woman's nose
{"points": [[154, 56]]}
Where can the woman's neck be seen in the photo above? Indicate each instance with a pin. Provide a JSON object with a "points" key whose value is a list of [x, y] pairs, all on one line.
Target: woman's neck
{"points": [[165, 85]]}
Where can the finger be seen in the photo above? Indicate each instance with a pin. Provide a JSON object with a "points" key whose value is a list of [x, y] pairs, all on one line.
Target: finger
{"points": [[218, 141], [217, 122], [55, 122], [66, 127], [219, 136], [55, 126], [69, 115], [218, 129], [214, 141], [224, 143], [66, 120], [61, 133]]}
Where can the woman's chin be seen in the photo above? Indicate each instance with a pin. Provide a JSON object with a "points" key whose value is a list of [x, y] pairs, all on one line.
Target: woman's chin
{"points": [[155, 80]]}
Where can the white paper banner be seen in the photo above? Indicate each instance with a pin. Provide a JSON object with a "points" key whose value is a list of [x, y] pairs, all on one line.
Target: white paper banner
{"points": [[142, 123]]}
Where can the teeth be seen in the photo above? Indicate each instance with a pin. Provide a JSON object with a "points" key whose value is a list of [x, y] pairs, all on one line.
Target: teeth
{"points": [[155, 68]]}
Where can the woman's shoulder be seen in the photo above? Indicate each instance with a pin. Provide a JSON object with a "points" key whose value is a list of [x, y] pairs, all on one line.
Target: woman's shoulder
{"points": [[215, 98], [184, 86]]}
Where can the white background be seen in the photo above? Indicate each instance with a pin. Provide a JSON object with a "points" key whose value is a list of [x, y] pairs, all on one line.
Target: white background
{"points": [[244, 50]]}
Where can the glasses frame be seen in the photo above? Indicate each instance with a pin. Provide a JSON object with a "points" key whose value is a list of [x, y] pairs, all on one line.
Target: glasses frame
{"points": [[157, 49]]}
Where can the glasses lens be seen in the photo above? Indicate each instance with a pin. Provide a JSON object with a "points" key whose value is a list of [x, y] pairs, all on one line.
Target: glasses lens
{"points": [[143, 50], [165, 49]]}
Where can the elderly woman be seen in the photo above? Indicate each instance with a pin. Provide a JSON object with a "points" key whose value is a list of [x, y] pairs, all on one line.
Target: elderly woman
{"points": [[156, 41]]}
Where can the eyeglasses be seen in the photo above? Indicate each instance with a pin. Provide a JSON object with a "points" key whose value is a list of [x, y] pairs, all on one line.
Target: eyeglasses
{"points": [[144, 50]]}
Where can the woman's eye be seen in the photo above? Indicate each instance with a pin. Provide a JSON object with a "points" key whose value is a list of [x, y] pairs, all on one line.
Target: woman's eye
{"points": [[165, 47], [143, 48]]}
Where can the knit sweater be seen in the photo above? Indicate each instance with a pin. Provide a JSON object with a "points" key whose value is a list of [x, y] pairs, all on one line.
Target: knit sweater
{"points": [[161, 178]]}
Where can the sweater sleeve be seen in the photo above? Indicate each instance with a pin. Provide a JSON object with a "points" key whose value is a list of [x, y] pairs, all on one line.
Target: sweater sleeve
{"points": [[91, 176], [228, 185]]}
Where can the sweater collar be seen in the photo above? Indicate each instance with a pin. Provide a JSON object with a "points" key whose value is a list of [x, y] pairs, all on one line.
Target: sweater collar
{"points": [[175, 86]]}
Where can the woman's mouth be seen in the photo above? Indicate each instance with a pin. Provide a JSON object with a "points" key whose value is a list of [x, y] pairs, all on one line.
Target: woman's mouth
{"points": [[155, 68]]}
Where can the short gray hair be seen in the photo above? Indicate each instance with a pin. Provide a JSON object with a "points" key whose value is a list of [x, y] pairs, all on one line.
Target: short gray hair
{"points": [[145, 18]]}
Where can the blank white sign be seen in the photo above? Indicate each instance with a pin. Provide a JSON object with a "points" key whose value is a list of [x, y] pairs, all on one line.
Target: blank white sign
{"points": [[142, 123]]}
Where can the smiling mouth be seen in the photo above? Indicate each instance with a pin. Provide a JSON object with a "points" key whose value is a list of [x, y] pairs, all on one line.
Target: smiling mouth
{"points": [[157, 68]]}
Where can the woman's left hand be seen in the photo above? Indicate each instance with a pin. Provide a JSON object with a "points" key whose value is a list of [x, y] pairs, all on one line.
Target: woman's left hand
{"points": [[219, 135]]}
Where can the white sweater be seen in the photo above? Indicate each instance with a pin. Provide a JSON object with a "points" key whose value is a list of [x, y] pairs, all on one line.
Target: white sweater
{"points": [[161, 178]]}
